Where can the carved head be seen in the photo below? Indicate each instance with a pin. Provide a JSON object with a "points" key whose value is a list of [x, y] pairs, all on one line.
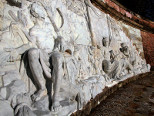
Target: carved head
{"points": [[37, 10], [123, 45], [105, 41], [111, 51], [112, 56]]}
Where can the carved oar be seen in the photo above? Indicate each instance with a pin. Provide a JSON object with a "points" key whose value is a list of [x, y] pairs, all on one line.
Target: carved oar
{"points": [[60, 13], [88, 19], [48, 11], [109, 27], [14, 17]]}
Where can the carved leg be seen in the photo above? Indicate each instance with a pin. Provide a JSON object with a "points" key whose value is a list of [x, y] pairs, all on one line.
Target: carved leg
{"points": [[115, 70], [57, 60], [44, 60], [128, 66], [37, 72], [106, 65]]}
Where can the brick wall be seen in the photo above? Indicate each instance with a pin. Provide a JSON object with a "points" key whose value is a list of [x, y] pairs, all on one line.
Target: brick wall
{"points": [[148, 47]]}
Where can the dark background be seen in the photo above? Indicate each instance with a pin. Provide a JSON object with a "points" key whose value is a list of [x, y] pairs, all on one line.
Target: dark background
{"points": [[145, 8]]}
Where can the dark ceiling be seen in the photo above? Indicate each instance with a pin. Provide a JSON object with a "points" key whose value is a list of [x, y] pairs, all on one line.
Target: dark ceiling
{"points": [[145, 8]]}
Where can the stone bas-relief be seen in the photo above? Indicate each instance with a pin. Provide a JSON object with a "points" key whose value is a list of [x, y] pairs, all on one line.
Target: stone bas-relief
{"points": [[50, 61]]}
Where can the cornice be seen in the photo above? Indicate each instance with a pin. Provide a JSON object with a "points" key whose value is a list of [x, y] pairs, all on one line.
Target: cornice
{"points": [[119, 12]]}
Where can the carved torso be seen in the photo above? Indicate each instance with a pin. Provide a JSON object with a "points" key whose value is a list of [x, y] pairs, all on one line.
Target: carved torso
{"points": [[42, 37]]}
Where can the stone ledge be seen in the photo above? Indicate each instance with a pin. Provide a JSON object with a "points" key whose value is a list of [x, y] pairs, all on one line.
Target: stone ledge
{"points": [[106, 92]]}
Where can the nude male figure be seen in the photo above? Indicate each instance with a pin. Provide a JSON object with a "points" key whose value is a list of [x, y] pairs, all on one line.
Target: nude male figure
{"points": [[40, 66], [39, 57]]}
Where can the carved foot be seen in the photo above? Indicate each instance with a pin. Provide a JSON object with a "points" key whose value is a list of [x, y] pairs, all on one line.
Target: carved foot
{"points": [[39, 94], [55, 106]]}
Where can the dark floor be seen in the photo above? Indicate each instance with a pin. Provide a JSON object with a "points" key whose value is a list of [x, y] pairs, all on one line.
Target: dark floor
{"points": [[134, 99]]}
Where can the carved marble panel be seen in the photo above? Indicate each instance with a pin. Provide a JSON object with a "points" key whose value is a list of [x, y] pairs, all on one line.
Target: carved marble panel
{"points": [[56, 55]]}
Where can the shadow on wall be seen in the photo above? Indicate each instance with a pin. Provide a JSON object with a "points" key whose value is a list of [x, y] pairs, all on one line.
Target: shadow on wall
{"points": [[14, 3]]}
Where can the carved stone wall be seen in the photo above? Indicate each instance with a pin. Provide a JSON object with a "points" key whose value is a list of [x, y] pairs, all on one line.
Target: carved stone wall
{"points": [[56, 55]]}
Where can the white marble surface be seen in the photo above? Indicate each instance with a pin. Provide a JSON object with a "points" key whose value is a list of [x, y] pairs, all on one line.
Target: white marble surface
{"points": [[79, 23]]}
